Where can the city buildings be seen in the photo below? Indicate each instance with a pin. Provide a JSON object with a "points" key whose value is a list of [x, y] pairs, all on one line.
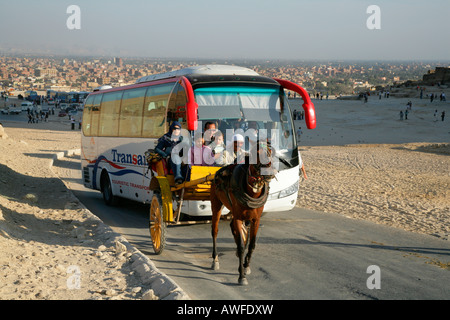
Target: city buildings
{"points": [[85, 74]]}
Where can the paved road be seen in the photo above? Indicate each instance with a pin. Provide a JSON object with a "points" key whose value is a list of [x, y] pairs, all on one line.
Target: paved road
{"points": [[300, 254]]}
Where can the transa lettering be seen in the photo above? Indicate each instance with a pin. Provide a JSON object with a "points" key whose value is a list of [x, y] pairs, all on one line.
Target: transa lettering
{"points": [[128, 158]]}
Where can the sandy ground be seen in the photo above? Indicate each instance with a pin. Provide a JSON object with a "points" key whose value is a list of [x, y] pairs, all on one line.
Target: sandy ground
{"points": [[362, 161], [52, 247]]}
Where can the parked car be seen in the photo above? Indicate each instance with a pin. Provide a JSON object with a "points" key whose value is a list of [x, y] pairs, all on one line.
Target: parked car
{"points": [[11, 109], [26, 105], [63, 106], [62, 113]]}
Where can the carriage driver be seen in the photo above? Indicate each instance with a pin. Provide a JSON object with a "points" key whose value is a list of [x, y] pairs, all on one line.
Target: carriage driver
{"points": [[165, 146]]}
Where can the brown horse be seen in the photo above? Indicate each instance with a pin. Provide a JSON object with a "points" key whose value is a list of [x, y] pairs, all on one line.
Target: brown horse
{"points": [[243, 189]]}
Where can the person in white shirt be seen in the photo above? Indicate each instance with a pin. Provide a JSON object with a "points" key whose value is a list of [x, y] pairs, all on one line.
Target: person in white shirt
{"points": [[236, 154]]}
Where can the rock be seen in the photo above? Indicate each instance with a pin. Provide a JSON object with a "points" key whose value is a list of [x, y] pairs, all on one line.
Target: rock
{"points": [[177, 295], [162, 286], [136, 289], [79, 232], [31, 198], [97, 253], [108, 292], [120, 247], [149, 295]]}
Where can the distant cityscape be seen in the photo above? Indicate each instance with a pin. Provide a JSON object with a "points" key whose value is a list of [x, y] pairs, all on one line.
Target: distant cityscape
{"points": [[21, 73]]}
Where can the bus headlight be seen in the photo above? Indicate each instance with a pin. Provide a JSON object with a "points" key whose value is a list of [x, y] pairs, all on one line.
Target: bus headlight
{"points": [[284, 193]]}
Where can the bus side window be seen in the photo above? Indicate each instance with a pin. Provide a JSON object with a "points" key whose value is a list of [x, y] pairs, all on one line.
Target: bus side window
{"points": [[95, 114], [155, 109], [177, 106], [87, 116], [130, 122], [109, 114]]}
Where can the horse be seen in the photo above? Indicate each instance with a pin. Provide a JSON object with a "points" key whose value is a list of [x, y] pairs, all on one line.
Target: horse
{"points": [[243, 189]]}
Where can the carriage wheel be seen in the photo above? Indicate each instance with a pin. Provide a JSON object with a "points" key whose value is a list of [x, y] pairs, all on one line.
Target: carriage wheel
{"points": [[157, 224]]}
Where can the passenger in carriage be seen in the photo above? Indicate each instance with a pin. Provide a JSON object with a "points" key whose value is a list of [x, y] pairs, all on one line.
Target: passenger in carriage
{"points": [[236, 154], [200, 155], [165, 145], [210, 130], [218, 147]]}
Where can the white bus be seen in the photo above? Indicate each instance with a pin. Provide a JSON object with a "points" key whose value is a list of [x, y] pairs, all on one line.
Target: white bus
{"points": [[121, 124]]}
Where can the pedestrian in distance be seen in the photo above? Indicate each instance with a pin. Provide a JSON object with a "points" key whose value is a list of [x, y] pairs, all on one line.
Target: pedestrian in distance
{"points": [[299, 133]]}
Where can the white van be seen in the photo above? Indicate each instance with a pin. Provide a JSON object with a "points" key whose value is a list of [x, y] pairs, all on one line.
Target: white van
{"points": [[26, 105]]}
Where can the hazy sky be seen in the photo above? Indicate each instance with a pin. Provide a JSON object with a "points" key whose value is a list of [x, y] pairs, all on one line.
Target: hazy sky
{"points": [[267, 29]]}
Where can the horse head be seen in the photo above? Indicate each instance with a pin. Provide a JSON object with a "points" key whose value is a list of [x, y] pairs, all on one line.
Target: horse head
{"points": [[261, 170]]}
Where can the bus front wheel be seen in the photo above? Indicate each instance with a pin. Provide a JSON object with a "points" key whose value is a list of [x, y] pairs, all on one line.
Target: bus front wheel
{"points": [[108, 196]]}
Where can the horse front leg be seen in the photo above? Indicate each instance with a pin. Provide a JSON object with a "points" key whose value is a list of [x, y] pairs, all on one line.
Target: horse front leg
{"points": [[236, 226], [216, 207], [252, 244]]}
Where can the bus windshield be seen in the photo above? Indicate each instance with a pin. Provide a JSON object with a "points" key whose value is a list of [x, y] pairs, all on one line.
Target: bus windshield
{"points": [[255, 112]]}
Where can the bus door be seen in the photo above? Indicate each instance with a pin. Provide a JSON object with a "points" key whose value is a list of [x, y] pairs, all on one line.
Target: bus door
{"points": [[89, 151]]}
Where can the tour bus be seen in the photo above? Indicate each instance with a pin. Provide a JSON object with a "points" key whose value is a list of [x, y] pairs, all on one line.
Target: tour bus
{"points": [[51, 94], [63, 97], [30, 95], [120, 124]]}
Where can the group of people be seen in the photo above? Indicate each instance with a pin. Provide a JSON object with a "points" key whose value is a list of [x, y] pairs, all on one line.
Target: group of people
{"points": [[408, 108], [432, 96], [208, 149], [436, 115], [34, 116], [298, 115]]}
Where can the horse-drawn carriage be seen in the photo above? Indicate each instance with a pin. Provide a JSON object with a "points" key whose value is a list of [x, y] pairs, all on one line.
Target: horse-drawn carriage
{"points": [[166, 193], [242, 188]]}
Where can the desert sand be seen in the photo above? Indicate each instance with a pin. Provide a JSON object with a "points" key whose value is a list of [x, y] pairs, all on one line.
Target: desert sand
{"points": [[362, 162], [53, 248]]}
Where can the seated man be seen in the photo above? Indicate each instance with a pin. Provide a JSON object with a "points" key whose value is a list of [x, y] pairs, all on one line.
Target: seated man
{"points": [[236, 155], [210, 130], [165, 146]]}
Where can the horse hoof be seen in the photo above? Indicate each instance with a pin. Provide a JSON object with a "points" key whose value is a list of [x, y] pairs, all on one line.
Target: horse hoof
{"points": [[215, 265], [247, 270], [243, 281]]}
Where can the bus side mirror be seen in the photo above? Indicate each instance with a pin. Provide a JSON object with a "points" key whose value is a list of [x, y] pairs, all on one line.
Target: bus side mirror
{"points": [[308, 106], [191, 106]]}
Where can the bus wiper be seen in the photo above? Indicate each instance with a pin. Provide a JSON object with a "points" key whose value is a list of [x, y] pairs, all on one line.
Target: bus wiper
{"points": [[285, 162]]}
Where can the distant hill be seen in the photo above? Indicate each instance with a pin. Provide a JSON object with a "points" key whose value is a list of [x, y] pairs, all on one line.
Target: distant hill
{"points": [[439, 75]]}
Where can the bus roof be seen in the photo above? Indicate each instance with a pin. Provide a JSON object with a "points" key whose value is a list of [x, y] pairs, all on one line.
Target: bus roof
{"points": [[201, 70]]}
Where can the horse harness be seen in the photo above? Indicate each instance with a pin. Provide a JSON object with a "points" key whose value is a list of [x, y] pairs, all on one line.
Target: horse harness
{"points": [[234, 177]]}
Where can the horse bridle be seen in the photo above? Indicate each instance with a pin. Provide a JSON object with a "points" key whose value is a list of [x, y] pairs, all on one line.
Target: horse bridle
{"points": [[258, 179]]}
